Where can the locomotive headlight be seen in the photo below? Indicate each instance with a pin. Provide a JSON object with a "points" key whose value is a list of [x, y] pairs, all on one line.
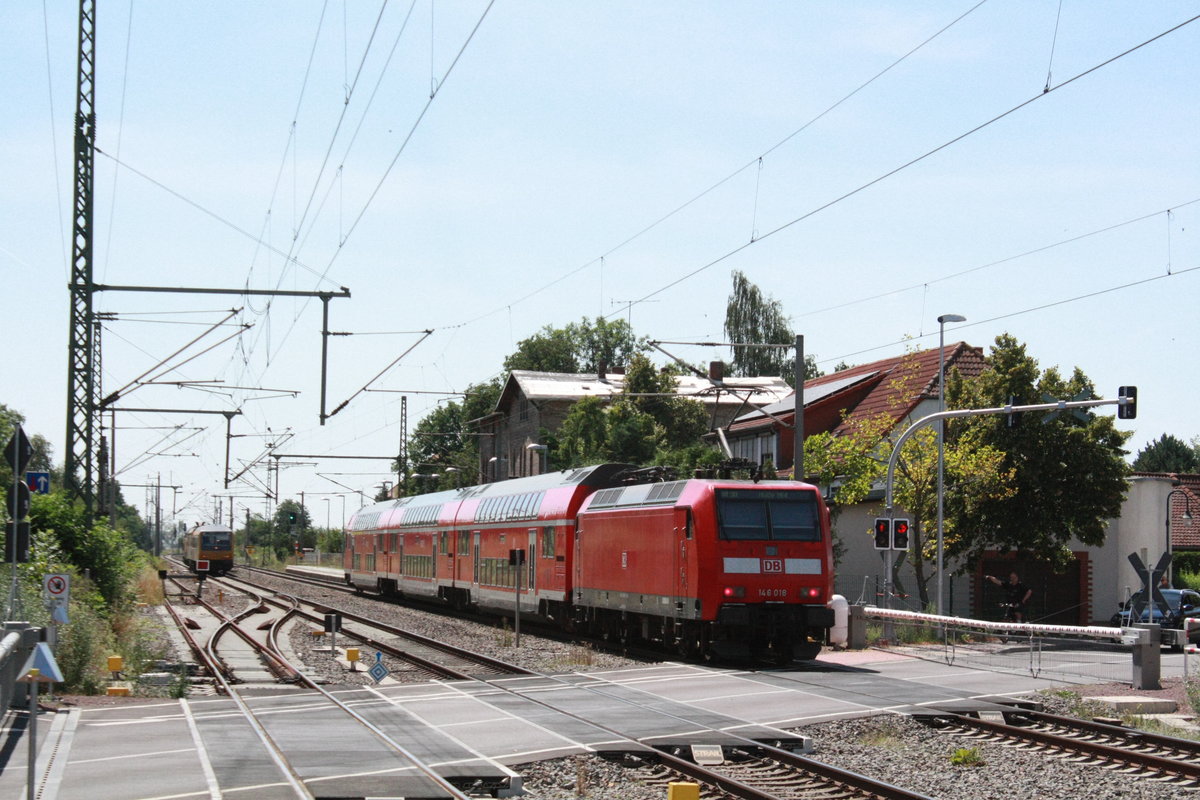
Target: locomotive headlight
{"points": [[812, 594], [735, 591]]}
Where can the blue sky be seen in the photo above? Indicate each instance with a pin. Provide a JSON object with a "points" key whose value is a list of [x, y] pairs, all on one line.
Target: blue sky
{"points": [[529, 187]]}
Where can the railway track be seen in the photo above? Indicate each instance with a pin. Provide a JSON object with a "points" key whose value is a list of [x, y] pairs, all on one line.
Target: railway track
{"points": [[438, 659], [355, 731], [1162, 758], [750, 771], [758, 771]]}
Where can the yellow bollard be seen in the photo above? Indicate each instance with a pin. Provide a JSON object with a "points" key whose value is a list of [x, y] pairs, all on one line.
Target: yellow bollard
{"points": [[352, 657], [683, 791]]}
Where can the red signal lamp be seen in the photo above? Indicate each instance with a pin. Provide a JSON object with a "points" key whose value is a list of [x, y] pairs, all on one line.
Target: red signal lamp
{"points": [[734, 591]]}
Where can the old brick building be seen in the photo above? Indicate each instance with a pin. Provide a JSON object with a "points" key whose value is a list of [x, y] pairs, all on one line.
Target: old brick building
{"points": [[530, 402]]}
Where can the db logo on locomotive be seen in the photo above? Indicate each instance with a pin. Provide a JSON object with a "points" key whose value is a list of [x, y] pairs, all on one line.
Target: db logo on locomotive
{"points": [[772, 565]]}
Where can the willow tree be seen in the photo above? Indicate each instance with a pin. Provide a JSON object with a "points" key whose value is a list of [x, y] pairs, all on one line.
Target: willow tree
{"points": [[752, 318]]}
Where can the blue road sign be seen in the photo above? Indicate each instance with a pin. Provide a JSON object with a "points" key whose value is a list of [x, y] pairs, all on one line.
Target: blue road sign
{"points": [[378, 672], [38, 482]]}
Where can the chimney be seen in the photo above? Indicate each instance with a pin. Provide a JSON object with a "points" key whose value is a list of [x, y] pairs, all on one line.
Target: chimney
{"points": [[602, 370], [716, 371]]}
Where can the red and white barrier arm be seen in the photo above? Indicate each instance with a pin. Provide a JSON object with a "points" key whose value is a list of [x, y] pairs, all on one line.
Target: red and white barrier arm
{"points": [[1094, 631]]}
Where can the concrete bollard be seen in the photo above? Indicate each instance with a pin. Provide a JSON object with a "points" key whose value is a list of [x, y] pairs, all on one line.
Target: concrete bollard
{"points": [[857, 634], [1147, 658]]}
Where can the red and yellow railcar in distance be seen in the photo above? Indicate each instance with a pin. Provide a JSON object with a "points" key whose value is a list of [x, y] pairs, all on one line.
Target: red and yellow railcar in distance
{"points": [[211, 544], [704, 567]]}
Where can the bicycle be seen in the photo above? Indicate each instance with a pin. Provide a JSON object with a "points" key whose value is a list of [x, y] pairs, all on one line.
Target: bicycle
{"points": [[1011, 611]]}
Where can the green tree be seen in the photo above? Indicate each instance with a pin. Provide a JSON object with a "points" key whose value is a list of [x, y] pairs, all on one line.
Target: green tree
{"points": [[608, 341], [752, 318], [293, 524], [1167, 454], [582, 438], [681, 420], [855, 461], [549, 350], [105, 554], [578, 347], [446, 441], [40, 461], [1069, 474]]}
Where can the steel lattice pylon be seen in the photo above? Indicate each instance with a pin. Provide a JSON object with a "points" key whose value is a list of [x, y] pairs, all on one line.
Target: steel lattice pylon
{"points": [[83, 373]]}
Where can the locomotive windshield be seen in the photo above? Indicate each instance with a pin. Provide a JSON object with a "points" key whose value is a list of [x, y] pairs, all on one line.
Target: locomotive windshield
{"points": [[768, 514], [214, 541]]}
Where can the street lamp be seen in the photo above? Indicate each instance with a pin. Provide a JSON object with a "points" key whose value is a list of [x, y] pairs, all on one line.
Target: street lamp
{"points": [[1187, 516], [541, 450], [941, 461]]}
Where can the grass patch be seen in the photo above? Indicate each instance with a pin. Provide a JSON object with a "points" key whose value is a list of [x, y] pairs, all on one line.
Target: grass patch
{"points": [[966, 757], [885, 735]]}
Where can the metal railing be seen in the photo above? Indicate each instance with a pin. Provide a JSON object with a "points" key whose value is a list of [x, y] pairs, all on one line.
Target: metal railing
{"points": [[17, 643]]}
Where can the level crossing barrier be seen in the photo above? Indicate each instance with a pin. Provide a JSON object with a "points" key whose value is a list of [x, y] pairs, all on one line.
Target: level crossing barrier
{"points": [[1091, 653]]}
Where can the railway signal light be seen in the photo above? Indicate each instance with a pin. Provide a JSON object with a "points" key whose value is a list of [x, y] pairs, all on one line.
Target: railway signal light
{"points": [[883, 533], [900, 534], [1128, 409]]}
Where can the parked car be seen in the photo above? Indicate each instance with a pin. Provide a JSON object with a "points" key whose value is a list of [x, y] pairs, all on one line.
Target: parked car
{"points": [[1182, 604]]}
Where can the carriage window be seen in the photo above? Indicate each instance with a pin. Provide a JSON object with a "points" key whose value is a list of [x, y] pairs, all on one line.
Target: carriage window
{"points": [[765, 514], [548, 541]]}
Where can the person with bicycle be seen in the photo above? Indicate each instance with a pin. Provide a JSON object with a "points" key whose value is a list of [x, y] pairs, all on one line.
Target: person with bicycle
{"points": [[1016, 594]]}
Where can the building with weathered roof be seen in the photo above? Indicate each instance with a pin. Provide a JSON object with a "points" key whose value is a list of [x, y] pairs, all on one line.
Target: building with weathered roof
{"points": [[903, 387], [532, 402]]}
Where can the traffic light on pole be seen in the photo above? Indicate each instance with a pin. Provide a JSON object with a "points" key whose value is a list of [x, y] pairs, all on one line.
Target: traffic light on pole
{"points": [[900, 534], [1128, 409], [291, 517], [883, 533]]}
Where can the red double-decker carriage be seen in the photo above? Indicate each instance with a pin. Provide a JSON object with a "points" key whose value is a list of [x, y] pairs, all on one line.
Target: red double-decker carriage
{"points": [[702, 566]]}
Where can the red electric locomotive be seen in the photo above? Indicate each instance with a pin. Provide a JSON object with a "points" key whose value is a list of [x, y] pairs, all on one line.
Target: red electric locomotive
{"points": [[701, 566]]}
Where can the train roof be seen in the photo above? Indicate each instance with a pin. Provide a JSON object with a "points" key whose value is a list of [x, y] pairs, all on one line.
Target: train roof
{"points": [[210, 527], [426, 508], [671, 492]]}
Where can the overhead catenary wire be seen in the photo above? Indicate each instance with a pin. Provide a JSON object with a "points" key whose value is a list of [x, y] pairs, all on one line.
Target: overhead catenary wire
{"points": [[757, 160], [1030, 310], [918, 159], [1024, 254]]}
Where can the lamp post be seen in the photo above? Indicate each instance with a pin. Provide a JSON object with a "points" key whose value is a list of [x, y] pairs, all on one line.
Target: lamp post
{"points": [[941, 460], [1187, 515]]}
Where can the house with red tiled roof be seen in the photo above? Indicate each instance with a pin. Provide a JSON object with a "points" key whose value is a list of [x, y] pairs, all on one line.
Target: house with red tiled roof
{"points": [[904, 387], [1183, 513]]}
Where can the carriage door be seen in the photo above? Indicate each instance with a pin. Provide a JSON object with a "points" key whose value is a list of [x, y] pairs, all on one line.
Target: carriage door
{"points": [[531, 561], [475, 560], [683, 540]]}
